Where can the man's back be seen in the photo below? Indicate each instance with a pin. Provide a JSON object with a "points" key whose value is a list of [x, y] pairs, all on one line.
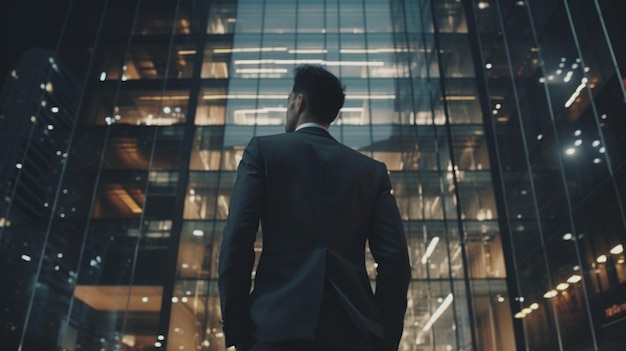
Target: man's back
{"points": [[319, 203]]}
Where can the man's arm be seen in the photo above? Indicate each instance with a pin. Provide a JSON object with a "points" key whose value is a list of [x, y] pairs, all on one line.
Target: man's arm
{"points": [[389, 249], [237, 252]]}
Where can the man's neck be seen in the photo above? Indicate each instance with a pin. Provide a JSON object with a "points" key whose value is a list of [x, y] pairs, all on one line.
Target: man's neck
{"points": [[311, 124]]}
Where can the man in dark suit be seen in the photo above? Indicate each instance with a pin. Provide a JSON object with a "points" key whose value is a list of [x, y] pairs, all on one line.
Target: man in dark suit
{"points": [[319, 202]]}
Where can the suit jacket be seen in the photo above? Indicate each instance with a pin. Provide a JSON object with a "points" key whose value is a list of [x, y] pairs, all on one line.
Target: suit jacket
{"points": [[319, 202]]}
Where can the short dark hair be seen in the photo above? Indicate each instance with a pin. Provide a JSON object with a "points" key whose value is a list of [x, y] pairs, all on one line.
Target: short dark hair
{"points": [[322, 89]]}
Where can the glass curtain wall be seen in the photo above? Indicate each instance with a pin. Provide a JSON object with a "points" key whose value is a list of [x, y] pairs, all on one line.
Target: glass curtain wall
{"points": [[174, 90], [553, 80], [449, 187]]}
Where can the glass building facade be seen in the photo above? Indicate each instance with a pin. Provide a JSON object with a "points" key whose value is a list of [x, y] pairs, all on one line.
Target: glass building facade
{"points": [[501, 123]]}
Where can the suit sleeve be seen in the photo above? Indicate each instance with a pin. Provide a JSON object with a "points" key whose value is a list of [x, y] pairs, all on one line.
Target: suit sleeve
{"points": [[237, 251], [389, 249]]}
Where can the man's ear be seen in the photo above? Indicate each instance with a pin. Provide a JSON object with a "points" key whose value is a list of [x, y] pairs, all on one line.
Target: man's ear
{"points": [[300, 103]]}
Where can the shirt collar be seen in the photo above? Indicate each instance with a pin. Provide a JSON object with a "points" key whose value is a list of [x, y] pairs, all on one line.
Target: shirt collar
{"points": [[311, 124]]}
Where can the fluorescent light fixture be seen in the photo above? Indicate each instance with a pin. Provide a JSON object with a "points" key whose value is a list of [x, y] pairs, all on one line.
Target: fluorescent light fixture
{"points": [[527, 310], [370, 97], [616, 250], [567, 236], [550, 294], [159, 97], [576, 93], [575, 278], [601, 259], [430, 249], [307, 51], [244, 96], [568, 76], [373, 51], [187, 52], [262, 110], [562, 286], [228, 51], [283, 96], [438, 312], [534, 306], [26, 258], [310, 61], [198, 232], [460, 97], [520, 315], [261, 70]]}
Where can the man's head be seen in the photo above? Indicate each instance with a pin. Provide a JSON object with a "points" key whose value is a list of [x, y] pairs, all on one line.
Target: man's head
{"points": [[317, 96]]}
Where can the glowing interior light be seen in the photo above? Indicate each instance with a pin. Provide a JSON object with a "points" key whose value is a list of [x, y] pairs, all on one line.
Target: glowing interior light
{"points": [[261, 70], [54, 109], [430, 249], [618, 249], [550, 294], [26, 258], [198, 232], [570, 151], [575, 278], [438, 312], [568, 76], [601, 259], [595, 143], [144, 299], [520, 315], [228, 51], [534, 306], [562, 286], [597, 160], [577, 132], [307, 51], [568, 236], [488, 66], [527, 310], [576, 93]]}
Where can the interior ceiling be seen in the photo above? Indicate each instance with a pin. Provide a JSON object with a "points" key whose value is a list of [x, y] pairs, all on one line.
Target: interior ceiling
{"points": [[120, 297]]}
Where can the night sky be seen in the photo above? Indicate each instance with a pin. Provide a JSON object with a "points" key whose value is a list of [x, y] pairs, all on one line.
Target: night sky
{"points": [[27, 24]]}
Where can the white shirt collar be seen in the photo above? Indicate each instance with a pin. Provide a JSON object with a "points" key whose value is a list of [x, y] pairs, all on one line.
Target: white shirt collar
{"points": [[311, 124]]}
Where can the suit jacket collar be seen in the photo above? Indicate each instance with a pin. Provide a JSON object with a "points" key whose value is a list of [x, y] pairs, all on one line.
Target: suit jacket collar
{"points": [[315, 131]]}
